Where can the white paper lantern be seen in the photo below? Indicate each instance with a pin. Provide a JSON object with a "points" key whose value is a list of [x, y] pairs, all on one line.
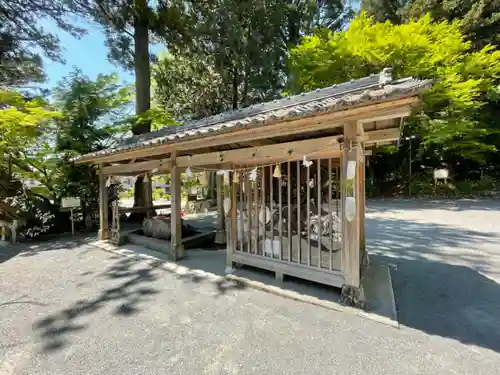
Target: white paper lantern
{"points": [[350, 208], [265, 214], [227, 204], [253, 175]]}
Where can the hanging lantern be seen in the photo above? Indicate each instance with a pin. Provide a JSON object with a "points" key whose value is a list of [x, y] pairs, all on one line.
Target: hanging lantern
{"points": [[350, 208], [350, 200], [277, 171], [226, 177], [253, 175], [227, 205], [306, 163], [189, 173], [265, 215]]}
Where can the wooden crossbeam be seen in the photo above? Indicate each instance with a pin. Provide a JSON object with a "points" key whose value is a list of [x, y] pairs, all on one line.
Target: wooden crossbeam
{"points": [[326, 147], [383, 135]]}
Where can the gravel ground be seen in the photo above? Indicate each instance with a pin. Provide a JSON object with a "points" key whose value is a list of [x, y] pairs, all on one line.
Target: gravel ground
{"points": [[69, 308]]}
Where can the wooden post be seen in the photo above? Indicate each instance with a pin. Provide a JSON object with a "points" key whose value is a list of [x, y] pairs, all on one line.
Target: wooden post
{"points": [[175, 216], [103, 207], [363, 258], [361, 190], [362, 203], [148, 195], [351, 293], [231, 248], [220, 235]]}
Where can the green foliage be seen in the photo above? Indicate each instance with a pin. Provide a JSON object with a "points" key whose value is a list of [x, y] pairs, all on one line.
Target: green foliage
{"points": [[384, 10], [423, 186], [21, 120], [22, 37], [40, 142], [480, 20], [92, 119], [236, 54], [177, 80], [464, 80], [156, 118], [160, 193], [92, 112], [126, 194], [37, 213], [127, 26]]}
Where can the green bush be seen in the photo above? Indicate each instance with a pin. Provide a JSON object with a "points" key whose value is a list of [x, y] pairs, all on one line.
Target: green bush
{"points": [[485, 183], [160, 193], [465, 187], [422, 186]]}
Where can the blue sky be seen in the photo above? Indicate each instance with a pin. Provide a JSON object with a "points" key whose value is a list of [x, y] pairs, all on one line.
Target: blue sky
{"points": [[88, 53]]}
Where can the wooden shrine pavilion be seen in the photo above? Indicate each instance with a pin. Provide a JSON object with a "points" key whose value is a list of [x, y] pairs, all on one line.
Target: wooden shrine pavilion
{"points": [[291, 174]]}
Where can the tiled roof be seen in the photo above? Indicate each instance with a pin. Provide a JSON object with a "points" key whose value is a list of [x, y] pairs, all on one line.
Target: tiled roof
{"points": [[365, 90]]}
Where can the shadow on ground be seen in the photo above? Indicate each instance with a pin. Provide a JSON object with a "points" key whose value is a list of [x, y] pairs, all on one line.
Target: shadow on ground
{"points": [[440, 278], [215, 262], [132, 291], [438, 204], [32, 248]]}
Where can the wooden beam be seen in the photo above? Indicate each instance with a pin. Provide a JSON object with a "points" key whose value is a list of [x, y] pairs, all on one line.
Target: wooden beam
{"points": [[283, 267], [382, 135], [175, 216], [285, 151], [316, 122], [220, 235], [161, 165], [124, 210], [103, 208], [398, 112], [255, 155], [231, 248], [362, 203], [148, 194], [350, 229], [260, 142]]}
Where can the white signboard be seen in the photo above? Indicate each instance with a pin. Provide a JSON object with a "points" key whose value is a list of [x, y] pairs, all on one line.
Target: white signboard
{"points": [[70, 202]]}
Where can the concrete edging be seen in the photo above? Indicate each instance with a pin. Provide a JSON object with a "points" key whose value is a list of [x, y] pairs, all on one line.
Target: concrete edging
{"points": [[182, 271]]}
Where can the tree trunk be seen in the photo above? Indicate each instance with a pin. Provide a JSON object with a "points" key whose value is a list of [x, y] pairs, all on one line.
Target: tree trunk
{"points": [[235, 88], [244, 99], [142, 68], [211, 185], [143, 93]]}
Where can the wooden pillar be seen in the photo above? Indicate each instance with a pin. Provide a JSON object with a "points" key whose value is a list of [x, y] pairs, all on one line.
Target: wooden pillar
{"points": [[362, 203], [233, 236], [175, 216], [103, 206], [351, 293], [220, 235], [148, 194]]}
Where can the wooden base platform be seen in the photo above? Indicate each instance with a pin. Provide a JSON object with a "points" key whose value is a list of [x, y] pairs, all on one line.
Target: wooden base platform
{"points": [[281, 268], [318, 249]]}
